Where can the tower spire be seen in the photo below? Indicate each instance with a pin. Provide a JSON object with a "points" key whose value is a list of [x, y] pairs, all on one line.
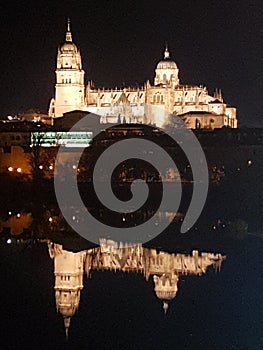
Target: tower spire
{"points": [[165, 306], [66, 324], [68, 33], [166, 52]]}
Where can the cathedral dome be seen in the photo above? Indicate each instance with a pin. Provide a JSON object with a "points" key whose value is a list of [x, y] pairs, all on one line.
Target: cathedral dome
{"points": [[165, 286], [166, 63], [68, 47], [166, 72]]}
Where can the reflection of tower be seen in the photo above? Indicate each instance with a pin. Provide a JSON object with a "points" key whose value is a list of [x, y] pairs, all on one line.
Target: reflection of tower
{"points": [[68, 270], [165, 268], [166, 287]]}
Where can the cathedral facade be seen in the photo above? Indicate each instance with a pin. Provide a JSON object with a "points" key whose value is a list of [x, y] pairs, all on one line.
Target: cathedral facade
{"points": [[151, 104]]}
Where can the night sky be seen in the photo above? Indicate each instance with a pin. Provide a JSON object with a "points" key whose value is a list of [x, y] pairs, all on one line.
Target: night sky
{"points": [[214, 43]]}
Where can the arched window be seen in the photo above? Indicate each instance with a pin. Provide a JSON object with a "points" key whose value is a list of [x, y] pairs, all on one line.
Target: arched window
{"points": [[164, 77], [197, 124], [154, 98], [161, 98], [158, 98]]}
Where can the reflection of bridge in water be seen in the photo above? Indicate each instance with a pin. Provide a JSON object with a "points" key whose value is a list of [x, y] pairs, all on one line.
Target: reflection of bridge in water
{"points": [[165, 268]]}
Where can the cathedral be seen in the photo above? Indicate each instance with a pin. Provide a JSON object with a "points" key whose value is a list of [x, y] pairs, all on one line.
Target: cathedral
{"points": [[164, 268], [153, 104]]}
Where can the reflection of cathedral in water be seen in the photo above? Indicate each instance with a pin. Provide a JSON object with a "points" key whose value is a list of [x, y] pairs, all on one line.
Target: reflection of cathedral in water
{"points": [[166, 269]]}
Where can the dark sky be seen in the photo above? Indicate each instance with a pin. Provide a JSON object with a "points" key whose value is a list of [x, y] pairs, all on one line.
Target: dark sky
{"points": [[214, 43]]}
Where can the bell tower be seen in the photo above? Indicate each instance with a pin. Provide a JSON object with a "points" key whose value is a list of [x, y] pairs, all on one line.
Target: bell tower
{"points": [[69, 88], [68, 271]]}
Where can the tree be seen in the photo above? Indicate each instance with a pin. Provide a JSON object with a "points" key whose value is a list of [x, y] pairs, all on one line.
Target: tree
{"points": [[41, 159]]}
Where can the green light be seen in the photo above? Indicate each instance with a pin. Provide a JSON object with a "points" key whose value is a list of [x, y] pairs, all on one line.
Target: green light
{"points": [[61, 138]]}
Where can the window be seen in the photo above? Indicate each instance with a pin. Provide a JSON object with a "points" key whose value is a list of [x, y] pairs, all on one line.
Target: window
{"points": [[197, 124]]}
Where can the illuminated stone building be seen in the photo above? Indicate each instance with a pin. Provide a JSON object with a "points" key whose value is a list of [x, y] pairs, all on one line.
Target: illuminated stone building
{"points": [[68, 271], [165, 268], [69, 78], [150, 104]]}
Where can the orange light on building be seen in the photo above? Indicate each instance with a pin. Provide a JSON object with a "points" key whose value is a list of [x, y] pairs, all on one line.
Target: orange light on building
{"points": [[10, 168], [50, 167], [19, 170]]}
